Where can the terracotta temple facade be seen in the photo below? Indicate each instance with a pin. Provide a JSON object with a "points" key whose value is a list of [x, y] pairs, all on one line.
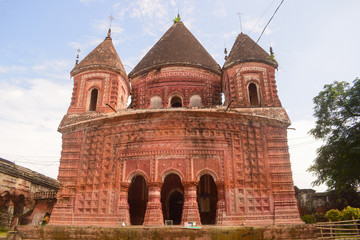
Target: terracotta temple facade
{"points": [[176, 154]]}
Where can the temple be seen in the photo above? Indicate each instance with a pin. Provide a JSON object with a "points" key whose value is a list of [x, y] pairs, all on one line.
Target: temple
{"points": [[176, 154]]}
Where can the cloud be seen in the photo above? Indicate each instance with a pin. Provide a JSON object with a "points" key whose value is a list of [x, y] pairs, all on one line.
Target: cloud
{"points": [[149, 9], [230, 35], [54, 65], [30, 116], [219, 9], [254, 25], [133, 61], [154, 15], [90, 1], [11, 69], [102, 27], [86, 45]]}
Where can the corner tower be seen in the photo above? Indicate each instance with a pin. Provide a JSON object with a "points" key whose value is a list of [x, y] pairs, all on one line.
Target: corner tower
{"points": [[249, 86], [249, 75], [100, 81], [101, 87]]}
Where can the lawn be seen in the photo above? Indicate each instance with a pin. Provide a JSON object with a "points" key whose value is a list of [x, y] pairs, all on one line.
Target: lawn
{"points": [[3, 233]]}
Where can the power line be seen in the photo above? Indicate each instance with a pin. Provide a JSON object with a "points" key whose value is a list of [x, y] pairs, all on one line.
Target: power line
{"points": [[267, 9], [270, 20]]}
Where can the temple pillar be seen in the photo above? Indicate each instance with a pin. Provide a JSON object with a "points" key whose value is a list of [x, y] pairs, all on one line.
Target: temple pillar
{"points": [[124, 216], [220, 205], [190, 211], [153, 214]]}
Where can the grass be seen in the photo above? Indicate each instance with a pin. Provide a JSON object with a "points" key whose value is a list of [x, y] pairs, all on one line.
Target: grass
{"points": [[3, 233]]}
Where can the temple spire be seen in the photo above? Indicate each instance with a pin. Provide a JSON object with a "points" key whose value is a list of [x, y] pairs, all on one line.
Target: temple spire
{"points": [[77, 57], [240, 22], [109, 32]]}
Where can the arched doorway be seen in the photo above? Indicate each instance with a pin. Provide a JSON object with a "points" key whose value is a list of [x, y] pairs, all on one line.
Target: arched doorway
{"points": [[172, 198], [137, 199], [207, 199]]}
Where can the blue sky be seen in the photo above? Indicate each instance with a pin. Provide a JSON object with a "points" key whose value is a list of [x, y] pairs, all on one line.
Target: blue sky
{"points": [[315, 42]]}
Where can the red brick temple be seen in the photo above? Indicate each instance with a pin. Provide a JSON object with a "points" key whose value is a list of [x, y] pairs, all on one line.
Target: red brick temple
{"points": [[176, 153]]}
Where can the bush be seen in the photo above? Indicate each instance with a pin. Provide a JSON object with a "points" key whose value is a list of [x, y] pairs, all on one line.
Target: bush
{"points": [[350, 213], [308, 219], [320, 217], [334, 215]]}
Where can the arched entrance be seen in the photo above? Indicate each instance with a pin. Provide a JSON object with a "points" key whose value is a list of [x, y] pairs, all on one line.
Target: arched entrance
{"points": [[172, 198], [207, 199], [137, 199]]}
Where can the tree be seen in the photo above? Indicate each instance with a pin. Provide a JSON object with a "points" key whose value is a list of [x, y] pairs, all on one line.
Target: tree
{"points": [[337, 109]]}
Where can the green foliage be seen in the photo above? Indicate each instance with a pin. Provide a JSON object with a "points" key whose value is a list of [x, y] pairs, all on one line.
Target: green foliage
{"points": [[177, 19], [320, 217], [308, 219], [272, 58], [334, 215], [3, 232], [337, 109], [350, 213]]}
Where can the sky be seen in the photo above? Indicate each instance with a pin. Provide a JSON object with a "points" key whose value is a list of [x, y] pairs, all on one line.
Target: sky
{"points": [[315, 43]]}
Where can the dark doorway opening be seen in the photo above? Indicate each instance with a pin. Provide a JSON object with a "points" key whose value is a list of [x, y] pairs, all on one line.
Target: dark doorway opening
{"points": [[93, 100], [176, 202], [137, 199], [207, 199], [176, 102], [253, 95], [172, 198]]}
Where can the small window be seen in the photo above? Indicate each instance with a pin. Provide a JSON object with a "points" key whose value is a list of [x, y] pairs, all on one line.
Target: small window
{"points": [[176, 102], [155, 102], [195, 101], [93, 100], [253, 95]]}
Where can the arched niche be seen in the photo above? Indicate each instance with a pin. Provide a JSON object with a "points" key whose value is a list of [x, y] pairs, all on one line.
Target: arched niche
{"points": [[155, 102], [253, 95], [93, 99], [195, 101], [176, 102]]}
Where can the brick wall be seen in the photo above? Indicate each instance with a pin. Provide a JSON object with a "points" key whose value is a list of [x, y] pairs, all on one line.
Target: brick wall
{"points": [[298, 232]]}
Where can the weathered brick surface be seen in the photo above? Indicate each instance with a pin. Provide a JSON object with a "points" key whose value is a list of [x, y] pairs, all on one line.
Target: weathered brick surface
{"points": [[245, 152], [113, 89], [176, 81], [20, 195], [237, 78], [176, 126]]}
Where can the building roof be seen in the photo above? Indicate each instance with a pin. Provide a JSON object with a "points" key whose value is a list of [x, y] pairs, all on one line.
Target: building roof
{"points": [[176, 47], [103, 56], [246, 50], [11, 169]]}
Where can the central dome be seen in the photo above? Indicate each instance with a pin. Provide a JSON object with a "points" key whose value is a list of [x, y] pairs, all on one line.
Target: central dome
{"points": [[176, 47]]}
